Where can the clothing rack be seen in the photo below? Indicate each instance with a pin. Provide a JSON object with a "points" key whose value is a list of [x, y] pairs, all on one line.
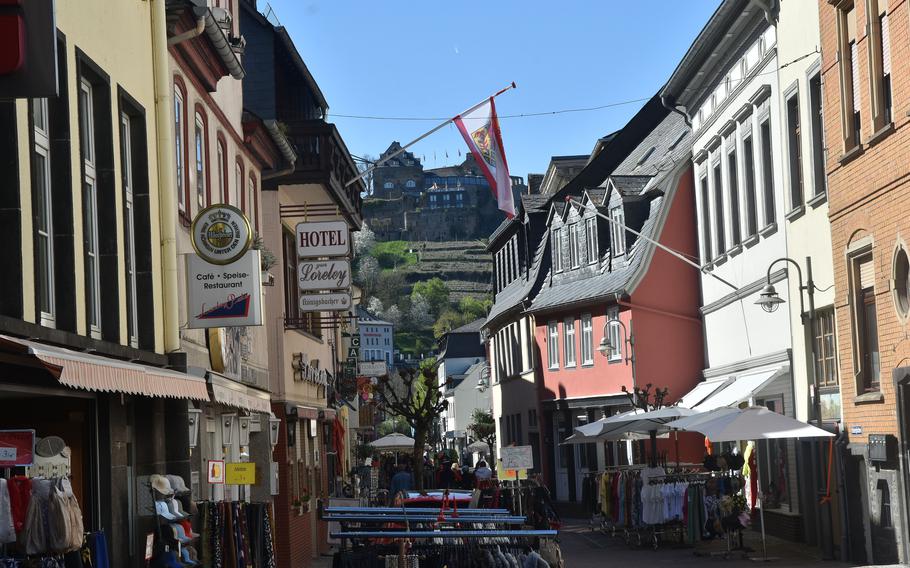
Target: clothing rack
{"points": [[418, 518], [406, 535]]}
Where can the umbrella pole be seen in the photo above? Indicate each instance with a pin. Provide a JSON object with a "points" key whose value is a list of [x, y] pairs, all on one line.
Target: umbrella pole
{"points": [[676, 441], [761, 505]]}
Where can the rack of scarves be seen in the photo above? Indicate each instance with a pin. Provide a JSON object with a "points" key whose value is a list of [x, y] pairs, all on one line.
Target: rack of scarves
{"points": [[41, 525], [236, 534], [468, 538]]}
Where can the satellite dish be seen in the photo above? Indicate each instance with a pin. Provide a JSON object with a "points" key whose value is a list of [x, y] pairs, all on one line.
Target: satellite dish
{"points": [[50, 446]]}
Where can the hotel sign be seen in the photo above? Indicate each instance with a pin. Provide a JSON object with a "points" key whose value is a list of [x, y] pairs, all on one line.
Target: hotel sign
{"points": [[330, 238], [324, 274]]}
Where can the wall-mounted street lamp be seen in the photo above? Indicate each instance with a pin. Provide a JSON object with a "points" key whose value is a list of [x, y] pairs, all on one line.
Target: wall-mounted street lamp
{"points": [[195, 417], [606, 345]]}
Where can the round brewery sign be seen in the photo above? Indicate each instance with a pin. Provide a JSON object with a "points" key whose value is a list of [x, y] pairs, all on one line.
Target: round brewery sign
{"points": [[221, 234]]}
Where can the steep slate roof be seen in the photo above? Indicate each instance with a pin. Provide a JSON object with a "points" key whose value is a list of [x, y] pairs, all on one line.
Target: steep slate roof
{"points": [[535, 201], [365, 316], [515, 293], [472, 327], [597, 195], [653, 172]]}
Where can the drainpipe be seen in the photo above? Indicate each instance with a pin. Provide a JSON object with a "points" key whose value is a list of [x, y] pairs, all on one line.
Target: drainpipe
{"points": [[667, 104], [167, 175], [195, 32]]}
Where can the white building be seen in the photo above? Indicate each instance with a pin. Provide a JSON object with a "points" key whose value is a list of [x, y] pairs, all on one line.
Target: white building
{"points": [[727, 84], [377, 338]]}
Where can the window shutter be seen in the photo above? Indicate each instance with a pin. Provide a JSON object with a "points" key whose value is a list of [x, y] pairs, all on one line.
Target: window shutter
{"points": [[866, 274], [854, 62], [886, 46]]}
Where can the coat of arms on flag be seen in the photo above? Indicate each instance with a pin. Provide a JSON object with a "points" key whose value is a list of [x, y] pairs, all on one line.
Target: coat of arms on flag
{"points": [[480, 129]]}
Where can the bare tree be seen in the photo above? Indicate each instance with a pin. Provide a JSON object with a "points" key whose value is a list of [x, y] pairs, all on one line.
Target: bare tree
{"points": [[413, 396], [363, 164]]}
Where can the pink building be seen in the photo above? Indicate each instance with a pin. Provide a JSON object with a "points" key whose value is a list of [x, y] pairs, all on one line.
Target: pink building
{"points": [[598, 272]]}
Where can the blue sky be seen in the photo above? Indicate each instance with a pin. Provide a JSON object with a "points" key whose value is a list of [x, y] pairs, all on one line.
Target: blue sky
{"points": [[435, 58]]}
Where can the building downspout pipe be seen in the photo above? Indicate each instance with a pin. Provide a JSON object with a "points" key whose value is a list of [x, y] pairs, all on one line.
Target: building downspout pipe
{"points": [[195, 32], [167, 176], [673, 108]]}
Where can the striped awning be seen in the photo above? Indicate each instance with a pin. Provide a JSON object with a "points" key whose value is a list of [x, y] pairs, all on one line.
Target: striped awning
{"points": [[232, 393], [96, 373]]}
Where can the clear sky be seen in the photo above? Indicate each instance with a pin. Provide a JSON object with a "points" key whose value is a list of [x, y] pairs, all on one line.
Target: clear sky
{"points": [[435, 58]]}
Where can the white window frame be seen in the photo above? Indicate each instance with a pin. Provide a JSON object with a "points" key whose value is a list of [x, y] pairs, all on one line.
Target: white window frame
{"points": [[556, 237], [615, 353], [573, 245], [238, 187], [568, 332], [388, 185], [221, 156], [180, 143], [200, 141], [617, 244], [45, 236], [591, 239], [251, 201], [90, 211], [129, 220], [587, 340], [552, 345]]}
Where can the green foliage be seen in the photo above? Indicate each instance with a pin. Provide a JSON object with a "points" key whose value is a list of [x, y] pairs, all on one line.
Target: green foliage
{"points": [[363, 451], [436, 293], [428, 364], [483, 426], [393, 254], [390, 288], [447, 321], [415, 342], [391, 425], [474, 308]]}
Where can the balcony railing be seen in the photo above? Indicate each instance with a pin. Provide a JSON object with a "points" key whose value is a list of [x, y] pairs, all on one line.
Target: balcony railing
{"points": [[322, 157]]}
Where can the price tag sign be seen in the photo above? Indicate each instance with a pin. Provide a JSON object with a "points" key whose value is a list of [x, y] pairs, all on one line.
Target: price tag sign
{"points": [[17, 448]]}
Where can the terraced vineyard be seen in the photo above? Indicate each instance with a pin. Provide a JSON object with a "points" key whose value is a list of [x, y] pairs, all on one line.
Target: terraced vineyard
{"points": [[463, 265]]}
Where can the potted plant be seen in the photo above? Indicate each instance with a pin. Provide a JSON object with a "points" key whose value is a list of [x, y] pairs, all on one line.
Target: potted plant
{"points": [[297, 506], [306, 500]]}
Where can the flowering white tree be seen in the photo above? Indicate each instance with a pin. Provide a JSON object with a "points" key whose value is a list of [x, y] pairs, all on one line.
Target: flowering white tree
{"points": [[368, 273], [421, 315], [364, 240], [374, 306], [392, 315]]}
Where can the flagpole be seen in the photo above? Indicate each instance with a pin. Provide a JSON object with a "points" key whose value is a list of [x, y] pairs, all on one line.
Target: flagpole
{"points": [[427, 133]]}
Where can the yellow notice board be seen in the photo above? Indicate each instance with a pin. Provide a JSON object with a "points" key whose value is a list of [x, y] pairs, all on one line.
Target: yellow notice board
{"points": [[241, 473]]}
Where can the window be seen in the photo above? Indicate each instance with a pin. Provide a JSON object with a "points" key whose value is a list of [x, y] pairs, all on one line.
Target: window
{"points": [[252, 201], [200, 161], [237, 195], [291, 299], [817, 133], [573, 245], [552, 345], [732, 178], [825, 358], [615, 352], [180, 143], [410, 184], [849, 72], [90, 211], [749, 181], [879, 34], [587, 340], [222, 172], [794, 152], [568, 331], [767, 177], [557, 250], [389, 185], [129, 227], [42, 211], [866, 323], [719, 226], [617, 232], [706, 221], [902, 282], [591, 238]]}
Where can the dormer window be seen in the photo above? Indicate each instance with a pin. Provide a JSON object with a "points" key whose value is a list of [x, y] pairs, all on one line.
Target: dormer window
{"points": [[617, 242], [410, 184], [388, 185], [591, 239], [645, 156], [557, 250], [573, 245]]}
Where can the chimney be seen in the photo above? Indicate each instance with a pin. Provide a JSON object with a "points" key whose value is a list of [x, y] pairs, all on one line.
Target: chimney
{"points": [[534, 181]]}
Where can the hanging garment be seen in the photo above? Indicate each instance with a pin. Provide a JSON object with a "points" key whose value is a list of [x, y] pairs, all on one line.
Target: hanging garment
{"points": [[97, 542], [36, 530], [20, 492], [7, 527]]}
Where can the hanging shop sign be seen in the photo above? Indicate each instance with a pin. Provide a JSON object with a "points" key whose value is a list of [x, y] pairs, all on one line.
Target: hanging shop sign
{"points": [[216, 471], [329, 238], [324, 274], [240, 473], [223, 295], [333, 302], [373, 369], [221, 234], [17, 448], [517, 457]]}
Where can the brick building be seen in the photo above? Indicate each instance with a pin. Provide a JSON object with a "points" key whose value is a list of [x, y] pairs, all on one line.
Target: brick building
{"points": [[866, 83]]}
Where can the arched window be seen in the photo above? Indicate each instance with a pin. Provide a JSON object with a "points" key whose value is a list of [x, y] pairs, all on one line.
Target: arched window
{"points": [[410, 183], [222, 171], [201, 157], [388, 185], [180, 139], [238, 197], [252, 199]]}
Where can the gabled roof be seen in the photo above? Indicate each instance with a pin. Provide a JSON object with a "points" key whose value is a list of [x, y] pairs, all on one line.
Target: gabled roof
{"points": [[365, 316], [596, 195], [534, 201], [472, 327], [518, 291], [635, 177]]}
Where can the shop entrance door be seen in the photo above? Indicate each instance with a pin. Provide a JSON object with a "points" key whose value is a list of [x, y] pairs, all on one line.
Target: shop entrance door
{"points": [[902, 384], [560, 433], [585, 456]]}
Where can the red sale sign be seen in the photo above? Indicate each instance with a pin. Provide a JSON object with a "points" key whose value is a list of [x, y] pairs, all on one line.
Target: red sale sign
{"points": [[17, 448]]}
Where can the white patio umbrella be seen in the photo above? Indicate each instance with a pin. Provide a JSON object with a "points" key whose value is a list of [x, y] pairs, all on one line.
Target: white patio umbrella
{"points": [[753, 423], [394, 442]]}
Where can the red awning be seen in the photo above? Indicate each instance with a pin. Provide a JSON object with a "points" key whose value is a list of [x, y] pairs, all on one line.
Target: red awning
{"points": [[95, 373]]}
